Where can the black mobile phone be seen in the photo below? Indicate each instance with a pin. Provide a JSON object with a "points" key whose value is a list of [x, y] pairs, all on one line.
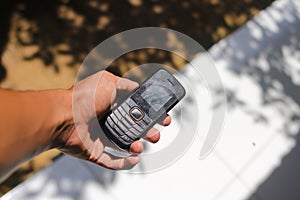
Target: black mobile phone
{"points": [[131, 120]]}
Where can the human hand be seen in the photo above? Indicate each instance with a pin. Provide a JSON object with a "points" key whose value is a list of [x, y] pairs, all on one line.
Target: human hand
{"points": [[92, 98]]}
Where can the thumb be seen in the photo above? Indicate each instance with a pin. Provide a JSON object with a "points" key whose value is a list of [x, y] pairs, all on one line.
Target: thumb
{"points": [[125, 84]]}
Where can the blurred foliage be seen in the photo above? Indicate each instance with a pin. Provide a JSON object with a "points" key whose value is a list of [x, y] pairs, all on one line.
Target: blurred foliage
{"points": [[74, 27]]}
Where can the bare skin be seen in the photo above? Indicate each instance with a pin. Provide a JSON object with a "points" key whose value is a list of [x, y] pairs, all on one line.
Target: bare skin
{"points": [[35, 121]]}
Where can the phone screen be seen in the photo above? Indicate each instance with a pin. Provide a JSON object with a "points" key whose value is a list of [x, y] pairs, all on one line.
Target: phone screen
{"points": [[156, 96]]}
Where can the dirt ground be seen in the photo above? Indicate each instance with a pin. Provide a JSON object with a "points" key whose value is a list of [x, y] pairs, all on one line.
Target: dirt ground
{"points": [[43, 43]]}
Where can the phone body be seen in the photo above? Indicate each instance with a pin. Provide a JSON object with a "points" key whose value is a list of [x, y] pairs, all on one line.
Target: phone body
{"points": [[133, 118]]}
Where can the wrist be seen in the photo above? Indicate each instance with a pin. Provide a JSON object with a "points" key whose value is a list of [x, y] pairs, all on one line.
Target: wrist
{"points": [[62, 121], [57, 116]]}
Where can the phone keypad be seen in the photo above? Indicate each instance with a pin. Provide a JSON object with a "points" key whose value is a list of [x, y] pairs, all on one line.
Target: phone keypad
{"points": [[142, 124], [136, 114], [128, 118], [131, 135], [126, 138], [118, 115], [138, 128], [121, 126], [121, 121], [126, 123], [131, 103], [122, 111], [147, 119], [118, 130], [134, 131], [110, 122], [126, 107]]}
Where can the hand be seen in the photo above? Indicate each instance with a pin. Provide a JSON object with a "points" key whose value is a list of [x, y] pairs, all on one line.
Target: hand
{"points": [[93, 97]]}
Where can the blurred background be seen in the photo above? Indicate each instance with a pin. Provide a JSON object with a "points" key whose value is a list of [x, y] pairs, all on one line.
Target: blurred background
{"points": [[43, 43]]}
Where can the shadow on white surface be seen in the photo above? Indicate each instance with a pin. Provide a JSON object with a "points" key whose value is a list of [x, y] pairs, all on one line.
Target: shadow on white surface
{"points": [[261, 75], [68, 178], [258, 155]]}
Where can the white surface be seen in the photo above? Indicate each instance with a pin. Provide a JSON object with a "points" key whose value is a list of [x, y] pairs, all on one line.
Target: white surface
{"points": [[254, 138]]}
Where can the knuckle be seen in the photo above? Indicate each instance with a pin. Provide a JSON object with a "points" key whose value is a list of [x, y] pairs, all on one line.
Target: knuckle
{"points": [[120, 165]]}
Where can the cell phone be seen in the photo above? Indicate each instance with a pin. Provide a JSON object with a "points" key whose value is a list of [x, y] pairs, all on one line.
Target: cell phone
{"points": [[132, 118]]}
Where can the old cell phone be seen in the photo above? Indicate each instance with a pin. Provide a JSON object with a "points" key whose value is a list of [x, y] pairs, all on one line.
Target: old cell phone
{"points": [[143, 109]]}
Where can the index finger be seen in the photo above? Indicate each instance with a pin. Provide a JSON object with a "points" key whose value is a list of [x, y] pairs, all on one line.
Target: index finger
{"points": [[166, 120]]}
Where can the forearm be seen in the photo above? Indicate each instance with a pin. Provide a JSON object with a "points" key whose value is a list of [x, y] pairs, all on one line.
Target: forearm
{"points": [[30, 122]]}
